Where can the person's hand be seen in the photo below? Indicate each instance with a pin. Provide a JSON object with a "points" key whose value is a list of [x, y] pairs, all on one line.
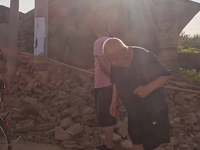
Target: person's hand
{"points": [[142, 91], [114, 109]]}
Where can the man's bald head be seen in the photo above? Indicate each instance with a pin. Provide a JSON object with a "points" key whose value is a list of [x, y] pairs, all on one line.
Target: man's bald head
{"points": [[114, 49], [113, 46]]}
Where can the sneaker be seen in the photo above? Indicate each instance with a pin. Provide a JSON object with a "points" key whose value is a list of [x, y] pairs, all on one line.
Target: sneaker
{"points": [[101, 147]]}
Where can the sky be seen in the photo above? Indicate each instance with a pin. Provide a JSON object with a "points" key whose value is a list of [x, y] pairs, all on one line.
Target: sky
{"points": [[192, 28], [24, 5]]}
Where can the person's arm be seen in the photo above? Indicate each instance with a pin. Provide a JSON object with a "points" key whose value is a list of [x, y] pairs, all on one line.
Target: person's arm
{"points": [[103, 65], [115, 102], [159, 82], [145, 90]]}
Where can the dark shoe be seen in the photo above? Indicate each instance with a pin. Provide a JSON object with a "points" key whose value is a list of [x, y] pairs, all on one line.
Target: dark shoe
{"points": [[101, 147]]}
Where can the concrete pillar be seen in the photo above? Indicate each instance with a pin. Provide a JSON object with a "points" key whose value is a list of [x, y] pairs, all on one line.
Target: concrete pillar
{"points": [[12, 41], [168, 37], [41, 38]]}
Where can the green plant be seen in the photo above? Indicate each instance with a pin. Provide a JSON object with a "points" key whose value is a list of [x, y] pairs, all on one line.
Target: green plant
{"points": [[192, 75], [187, 41], [188, 50], [188, 44]]}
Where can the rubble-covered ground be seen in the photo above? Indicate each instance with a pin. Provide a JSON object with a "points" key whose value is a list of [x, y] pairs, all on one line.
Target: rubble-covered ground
{"points": [[61, 111]]}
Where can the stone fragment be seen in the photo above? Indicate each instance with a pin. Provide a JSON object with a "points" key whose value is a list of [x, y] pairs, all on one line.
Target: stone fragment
{"points": [[174, 112], [69, 144], [88, 130], [68, 111], [75, 129], [30, 109], [16, 116], [17, 110], [87, 110], [190, 118], [25, 126], [122, 129], [42, 114], [50, 133], [180, 100], [61, 134], [61, 95], [30, 85], [77, 101], [126, 145], [75, 114], [87, 118], [46, 126], [31, 100], [37, 90], [46, 111], [116, 138], [173, 141], [3, 114], [196, 127], [65, 123]]}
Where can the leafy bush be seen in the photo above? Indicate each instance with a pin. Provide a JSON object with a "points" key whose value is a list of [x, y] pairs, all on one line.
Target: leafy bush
{"points": [[187, 41], [192, 75], [190, 44], [189, 50]]}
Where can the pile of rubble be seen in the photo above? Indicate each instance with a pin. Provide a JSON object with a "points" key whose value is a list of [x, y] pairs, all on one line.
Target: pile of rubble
{"points": [[61, 110]]}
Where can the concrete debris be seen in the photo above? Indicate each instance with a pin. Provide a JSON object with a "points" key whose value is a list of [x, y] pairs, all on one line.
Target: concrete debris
{"points": [[61, 111]]}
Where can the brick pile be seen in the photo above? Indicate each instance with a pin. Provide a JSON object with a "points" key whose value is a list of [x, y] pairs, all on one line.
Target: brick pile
{"points": [[61, 110]]}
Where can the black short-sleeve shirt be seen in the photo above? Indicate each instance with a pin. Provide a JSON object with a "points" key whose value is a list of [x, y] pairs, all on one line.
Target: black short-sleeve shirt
{"points": [[144, 68]]}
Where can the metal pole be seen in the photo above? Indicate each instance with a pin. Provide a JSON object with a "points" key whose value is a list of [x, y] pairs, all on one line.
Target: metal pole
{"points": [[41, 38]]}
